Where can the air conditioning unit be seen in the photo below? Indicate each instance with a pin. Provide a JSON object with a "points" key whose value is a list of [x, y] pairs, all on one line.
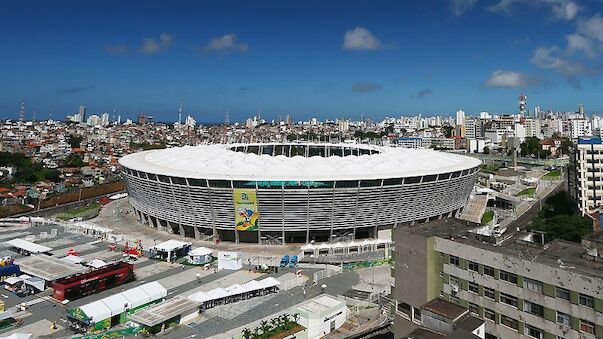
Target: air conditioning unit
{"points": [[455, 289]]}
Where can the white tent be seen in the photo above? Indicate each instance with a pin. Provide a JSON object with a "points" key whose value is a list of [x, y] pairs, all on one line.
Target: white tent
{"points": [[136, 297], [154, 290], [97, 263], [28, 246], [117, 303], [18, 336], [96, 311], [73, 259]]}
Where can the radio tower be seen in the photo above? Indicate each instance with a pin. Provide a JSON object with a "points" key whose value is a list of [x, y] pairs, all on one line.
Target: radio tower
{"points": [[227, 118], [180, 114], [22, 112], [522, 104]]}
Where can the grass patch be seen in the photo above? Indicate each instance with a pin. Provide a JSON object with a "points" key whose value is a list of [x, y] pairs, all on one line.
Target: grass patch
{"points": [[528, 191], [487, 217], [552, 175], [83, 211], [492, 169]]}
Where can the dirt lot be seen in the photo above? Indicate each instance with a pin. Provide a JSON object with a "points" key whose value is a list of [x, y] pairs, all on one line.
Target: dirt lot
{"points": [[87, 192]]}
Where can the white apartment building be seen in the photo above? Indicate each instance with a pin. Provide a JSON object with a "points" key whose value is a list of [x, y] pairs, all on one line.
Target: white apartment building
{"points": [[585, 174]]}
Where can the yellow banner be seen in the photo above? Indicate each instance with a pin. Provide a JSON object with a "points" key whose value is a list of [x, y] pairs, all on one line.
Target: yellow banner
{"points": [[246, 209]]}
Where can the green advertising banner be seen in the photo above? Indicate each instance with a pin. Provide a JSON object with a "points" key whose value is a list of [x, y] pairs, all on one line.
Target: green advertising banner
{"points": [[246, 209]]}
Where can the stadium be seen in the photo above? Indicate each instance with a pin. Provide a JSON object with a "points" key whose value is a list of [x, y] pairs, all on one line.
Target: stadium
{"points": [[293, 192]]}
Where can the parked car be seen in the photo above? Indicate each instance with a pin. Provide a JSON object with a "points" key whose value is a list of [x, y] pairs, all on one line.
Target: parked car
{"points": [[284, 261], [293, 262]]}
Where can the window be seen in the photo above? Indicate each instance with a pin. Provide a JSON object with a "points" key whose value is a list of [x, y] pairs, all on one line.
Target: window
{"points": [[508, 276], [454, 260], [416, 316], [563, 293], [533, 332], [489, 293], [533, 285], [508, 299], [473, 266], [509, 322], [587, 327], [489, 271], [533, 308], [473, 308], [454, 280], [587, 300], [563, 318], [489, 314], [454, 299], [473, 287], [404, 309]]}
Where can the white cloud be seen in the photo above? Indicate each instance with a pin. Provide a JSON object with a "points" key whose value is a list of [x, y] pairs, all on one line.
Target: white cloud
{"points": [[592, 28], [226, 44], [550, 58], [507, 79], [153, 45], [360, 39], [562, 9], [578, 43], [459, 7], [565, 10]]}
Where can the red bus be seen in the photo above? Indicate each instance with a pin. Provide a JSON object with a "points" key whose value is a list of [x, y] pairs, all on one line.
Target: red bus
{"points": [[81, 285]]}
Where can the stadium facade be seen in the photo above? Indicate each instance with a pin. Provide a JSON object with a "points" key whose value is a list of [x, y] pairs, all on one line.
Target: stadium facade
{"points": [[291, 192]]}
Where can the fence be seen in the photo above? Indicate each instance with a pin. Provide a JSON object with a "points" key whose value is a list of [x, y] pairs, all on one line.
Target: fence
{"points": [[327, 272]]}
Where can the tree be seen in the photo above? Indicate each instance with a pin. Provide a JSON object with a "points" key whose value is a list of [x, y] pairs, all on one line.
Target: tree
{"points": [[74, 140], [295, 317], [531, 146], [447, 131], [74, 160], [265, 326], [246, 333], [486, 150]]}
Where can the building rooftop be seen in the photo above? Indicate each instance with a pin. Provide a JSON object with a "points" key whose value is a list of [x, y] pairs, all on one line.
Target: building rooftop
{"points": [[222, 162], [557, 253], [48, 268], [445, 309]]}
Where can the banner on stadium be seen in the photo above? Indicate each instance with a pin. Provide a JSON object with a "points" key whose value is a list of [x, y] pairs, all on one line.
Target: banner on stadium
{"points": [[246, 209]]}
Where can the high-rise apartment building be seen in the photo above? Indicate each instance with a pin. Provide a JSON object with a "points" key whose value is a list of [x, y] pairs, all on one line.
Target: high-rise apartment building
{"points": [[585, 172], [82, 113], [521, 286]]}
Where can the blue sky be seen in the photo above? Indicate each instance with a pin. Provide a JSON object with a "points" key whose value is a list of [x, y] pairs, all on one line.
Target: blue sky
{"points": [[305, 58]]}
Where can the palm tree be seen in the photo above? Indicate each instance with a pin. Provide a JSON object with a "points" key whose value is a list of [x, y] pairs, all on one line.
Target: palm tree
{"points": [[246, 333], [265, 326], [295, 317], [255, 333], [284, 318], [275, 323]]}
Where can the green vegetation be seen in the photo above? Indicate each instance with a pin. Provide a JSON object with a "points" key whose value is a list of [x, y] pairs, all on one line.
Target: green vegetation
{"points": [[280, 325], [528, 191], [489, 169], [487, 217], [74, 140], [147, 146], [531, 147], [28, 171], [559, 221], [83, 211], [552, 175], [74, 160]]}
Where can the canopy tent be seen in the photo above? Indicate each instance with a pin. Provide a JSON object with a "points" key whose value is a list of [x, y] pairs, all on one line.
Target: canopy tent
{"points": [[97, 263], [28, 247], [74, 259], [105, 308], [234, 292], [167, 250]]}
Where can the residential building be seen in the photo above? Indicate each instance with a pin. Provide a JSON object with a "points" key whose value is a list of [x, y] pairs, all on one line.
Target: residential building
{"points": [[521, 287], [585, 172]]}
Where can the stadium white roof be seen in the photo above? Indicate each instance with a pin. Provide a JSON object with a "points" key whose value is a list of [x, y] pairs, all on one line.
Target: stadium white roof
{"points": [[220, 162]]}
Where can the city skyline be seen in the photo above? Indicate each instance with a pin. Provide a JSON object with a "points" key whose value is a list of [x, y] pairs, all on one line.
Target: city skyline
{"points": [[301, 59]]}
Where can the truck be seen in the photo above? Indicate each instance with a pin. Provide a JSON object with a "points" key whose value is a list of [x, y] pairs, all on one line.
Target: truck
{"points": [[11, 270]]}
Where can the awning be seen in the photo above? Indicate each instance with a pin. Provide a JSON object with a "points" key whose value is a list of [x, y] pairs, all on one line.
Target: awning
{"points": [[97, 263], [154, 290]]}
